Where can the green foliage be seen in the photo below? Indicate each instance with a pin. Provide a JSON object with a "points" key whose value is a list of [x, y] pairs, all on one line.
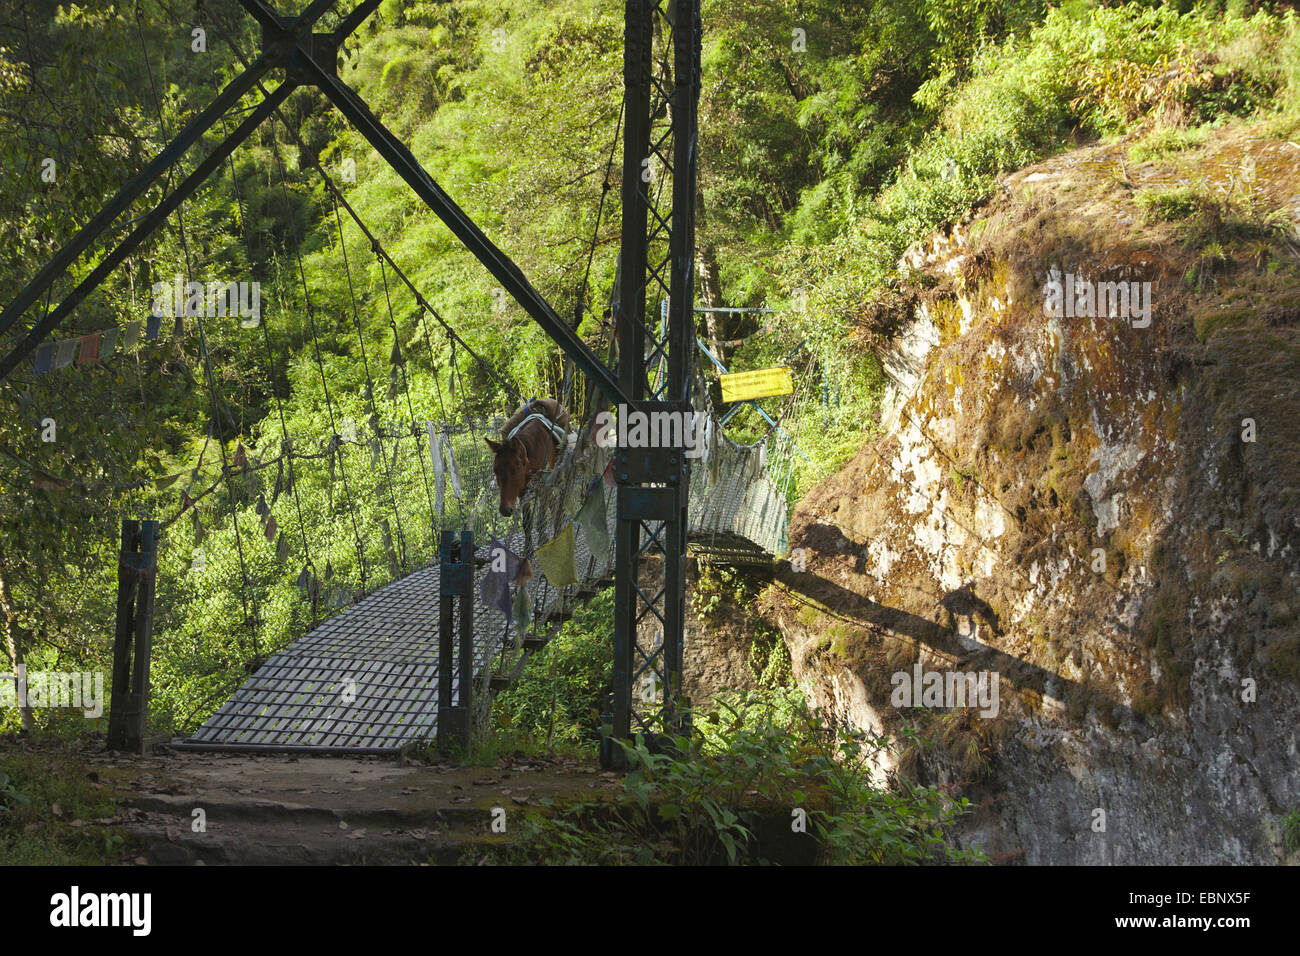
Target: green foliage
{"points": [[1165, 140], [555, 703], [1078, 73], [1291, 831], [1169, 205], [733, 798], [48, 803], [717, 585]]}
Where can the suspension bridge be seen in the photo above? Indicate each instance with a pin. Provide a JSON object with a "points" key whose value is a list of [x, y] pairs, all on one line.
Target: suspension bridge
{"points": [[367, 680], [372, 670]]}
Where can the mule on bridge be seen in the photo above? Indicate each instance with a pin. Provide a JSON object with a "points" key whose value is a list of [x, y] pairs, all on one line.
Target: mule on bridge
{"points": [[532, 439]]}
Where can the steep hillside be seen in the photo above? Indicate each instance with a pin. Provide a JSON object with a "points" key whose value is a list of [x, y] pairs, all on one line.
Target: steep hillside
{"points": [[1103, 512]]}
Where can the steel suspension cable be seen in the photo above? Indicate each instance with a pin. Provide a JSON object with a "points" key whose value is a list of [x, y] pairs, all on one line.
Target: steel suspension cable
{"points": [[336, 445], [286, 443], [406, 387], [249, 622], [511, 391], [370, 384]]}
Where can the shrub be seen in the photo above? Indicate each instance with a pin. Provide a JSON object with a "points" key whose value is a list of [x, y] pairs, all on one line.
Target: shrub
{"points": [[733, 794], [556, 699]]}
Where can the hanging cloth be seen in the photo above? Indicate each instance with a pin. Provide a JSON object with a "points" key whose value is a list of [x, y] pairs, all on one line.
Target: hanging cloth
{"points": [[452, 471], [555, 558], [591, 518], [64, 354], [502, 568], [44, 359], [435, 452], [89, 351], [130, 335], [107, 344], [523, 613]]}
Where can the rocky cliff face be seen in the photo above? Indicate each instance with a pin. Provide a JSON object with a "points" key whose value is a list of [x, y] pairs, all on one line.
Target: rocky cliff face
{"points": [[1097, 504]]}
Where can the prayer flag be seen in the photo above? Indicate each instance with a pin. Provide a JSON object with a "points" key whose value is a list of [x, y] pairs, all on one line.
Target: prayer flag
{"points": [[592, 519], [64, 354], [89, 349], [435, 452], [44, 359], [452, 471], [555, 558], [523, 613], [108, 343], [130, 336], [502, 568]]}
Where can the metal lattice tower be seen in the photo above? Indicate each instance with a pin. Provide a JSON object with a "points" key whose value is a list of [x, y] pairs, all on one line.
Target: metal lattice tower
{"points": [[662, 78]]}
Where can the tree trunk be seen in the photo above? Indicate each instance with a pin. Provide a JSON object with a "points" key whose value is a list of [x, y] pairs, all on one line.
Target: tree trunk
{"points": [[706, 268], [14, 648]]}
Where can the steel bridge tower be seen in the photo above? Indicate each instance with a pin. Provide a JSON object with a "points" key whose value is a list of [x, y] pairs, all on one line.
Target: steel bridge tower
{"points": [[661, 70]]}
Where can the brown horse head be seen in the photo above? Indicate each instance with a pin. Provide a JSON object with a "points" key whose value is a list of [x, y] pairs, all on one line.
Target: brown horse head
{"points": [[532, 448], [512, 472]]}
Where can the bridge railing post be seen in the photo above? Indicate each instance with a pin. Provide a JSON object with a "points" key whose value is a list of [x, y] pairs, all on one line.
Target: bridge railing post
{"points": [[465, 700], [456, 584], [137, 570]]}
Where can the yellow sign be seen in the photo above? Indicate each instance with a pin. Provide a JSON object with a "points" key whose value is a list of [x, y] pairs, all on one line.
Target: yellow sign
{"points": [[759, 383]]}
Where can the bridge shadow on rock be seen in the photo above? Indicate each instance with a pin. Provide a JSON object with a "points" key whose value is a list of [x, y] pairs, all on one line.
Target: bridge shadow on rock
{"points": [[830, 600]]}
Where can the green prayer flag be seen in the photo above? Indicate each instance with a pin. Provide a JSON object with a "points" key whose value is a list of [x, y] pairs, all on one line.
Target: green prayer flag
{"points": [[555, 558], [108, 344], [130, 336], [523, 613]]}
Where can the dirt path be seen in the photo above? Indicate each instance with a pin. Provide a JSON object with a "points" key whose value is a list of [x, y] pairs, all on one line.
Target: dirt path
{"points": [[273, 809]]}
